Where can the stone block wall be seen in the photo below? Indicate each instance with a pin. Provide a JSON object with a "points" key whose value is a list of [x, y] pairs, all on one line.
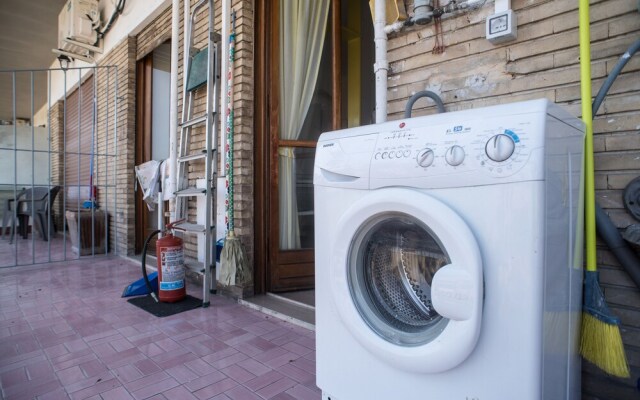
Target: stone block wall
{"points": [[159, 31], [544, 63], [116, 89], [56, 112]]}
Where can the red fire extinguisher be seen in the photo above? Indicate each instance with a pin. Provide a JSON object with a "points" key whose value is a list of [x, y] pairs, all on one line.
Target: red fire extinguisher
{"points": [[170, 253]]}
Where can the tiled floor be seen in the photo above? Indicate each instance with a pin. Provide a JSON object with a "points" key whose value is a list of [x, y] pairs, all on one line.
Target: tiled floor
{"points": [[34, 250], [65, 332]]}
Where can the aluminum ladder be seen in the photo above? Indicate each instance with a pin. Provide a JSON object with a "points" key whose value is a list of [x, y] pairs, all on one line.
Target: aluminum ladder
{"points": [[208, 56]]}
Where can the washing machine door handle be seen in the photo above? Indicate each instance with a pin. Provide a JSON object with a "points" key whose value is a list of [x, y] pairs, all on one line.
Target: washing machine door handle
{"points": [[454, 293]]}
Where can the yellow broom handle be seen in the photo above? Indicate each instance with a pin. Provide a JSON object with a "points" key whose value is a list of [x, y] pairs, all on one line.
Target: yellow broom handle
{"points": [[587, 117]]}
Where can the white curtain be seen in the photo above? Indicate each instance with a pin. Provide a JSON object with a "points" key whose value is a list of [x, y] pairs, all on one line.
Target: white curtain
{"points": [[302, 29]]}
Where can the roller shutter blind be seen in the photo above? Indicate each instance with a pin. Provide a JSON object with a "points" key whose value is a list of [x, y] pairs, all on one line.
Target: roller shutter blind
{"points": [[79, 122]]}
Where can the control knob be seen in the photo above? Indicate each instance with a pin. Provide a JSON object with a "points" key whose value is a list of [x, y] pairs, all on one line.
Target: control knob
{"points": [[500, 147], [425, 157], [454, 156]]}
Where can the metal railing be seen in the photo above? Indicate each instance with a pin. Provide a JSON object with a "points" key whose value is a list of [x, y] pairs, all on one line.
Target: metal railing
{"points": [[56, 117]]}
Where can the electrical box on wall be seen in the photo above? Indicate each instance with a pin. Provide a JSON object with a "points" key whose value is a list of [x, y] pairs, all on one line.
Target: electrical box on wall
{"points": [[76, 26], [501, 27]]}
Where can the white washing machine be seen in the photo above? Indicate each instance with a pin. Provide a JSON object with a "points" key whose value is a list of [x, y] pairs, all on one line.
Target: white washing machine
{"points": [[449, 256]]}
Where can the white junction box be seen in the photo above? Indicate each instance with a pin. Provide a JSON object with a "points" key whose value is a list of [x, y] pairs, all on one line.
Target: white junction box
{"points": [[501, 27], [77, 22]]}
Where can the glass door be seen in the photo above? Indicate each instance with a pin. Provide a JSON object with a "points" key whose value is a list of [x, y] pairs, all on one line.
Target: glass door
{"points": [[314, 81], [305, 111]]}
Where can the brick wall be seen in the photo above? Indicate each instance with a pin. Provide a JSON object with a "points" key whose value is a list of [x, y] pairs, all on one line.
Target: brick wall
{"points": [[120, 173], [117, 174], [243, 101], [154, 34], [124, 57], [56, 113], [243, 109], [544, 63]]}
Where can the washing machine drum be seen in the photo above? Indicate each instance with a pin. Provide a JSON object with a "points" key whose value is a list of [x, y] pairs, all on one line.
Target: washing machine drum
{"points": [[390, 275]]}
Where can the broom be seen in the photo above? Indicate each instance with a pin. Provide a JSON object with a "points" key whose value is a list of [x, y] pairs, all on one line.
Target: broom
{"points": [[233, 259], [600, 341]]}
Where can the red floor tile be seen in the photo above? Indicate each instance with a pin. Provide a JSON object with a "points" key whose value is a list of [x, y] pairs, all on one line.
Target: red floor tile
{"points": [[216, 389], [67, 334], [276, 387]]}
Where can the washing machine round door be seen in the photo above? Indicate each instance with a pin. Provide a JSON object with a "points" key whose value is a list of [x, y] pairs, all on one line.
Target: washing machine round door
{"points": [[407, 280]]}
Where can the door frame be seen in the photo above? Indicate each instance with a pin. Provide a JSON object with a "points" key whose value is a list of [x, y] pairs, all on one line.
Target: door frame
{"points": [[266, 223], [143, 140]]}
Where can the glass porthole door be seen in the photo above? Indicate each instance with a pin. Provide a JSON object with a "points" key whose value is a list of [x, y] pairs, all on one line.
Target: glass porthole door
{"points": [[391, 268], [406, 279]]}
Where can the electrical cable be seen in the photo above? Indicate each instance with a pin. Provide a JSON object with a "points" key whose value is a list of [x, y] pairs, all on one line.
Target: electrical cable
{"points": [[118, 10], [144, 264], [607, 231], [624, 59]]}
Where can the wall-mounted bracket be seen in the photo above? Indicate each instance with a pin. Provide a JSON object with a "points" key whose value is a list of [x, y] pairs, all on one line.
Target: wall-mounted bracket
{"points": [[69, 54]]}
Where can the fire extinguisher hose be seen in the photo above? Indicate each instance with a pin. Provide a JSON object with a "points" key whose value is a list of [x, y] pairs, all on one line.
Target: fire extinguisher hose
{"points": [[144, 264]]}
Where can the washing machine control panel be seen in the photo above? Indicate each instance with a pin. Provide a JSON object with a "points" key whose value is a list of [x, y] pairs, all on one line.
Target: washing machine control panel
{"points": [[481, 149], [481, 146]]}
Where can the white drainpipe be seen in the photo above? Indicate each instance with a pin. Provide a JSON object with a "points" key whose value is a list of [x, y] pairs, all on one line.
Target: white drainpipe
{"points": [[381, 65], [222, 172], [173, 113], [224, 70]]}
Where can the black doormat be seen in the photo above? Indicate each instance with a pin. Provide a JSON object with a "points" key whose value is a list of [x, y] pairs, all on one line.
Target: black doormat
{"points": [[160, 309]]}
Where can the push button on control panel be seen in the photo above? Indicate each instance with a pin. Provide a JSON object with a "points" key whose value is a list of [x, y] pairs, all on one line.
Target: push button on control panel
{"points": [[388, 155]]}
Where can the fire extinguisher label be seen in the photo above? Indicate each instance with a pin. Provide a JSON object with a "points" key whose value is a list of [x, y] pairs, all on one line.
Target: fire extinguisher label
{"points": [[172, 268], [171, 285]]}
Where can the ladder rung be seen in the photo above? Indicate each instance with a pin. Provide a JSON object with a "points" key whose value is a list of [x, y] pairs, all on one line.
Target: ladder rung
{"points": [[192, 157], [188, 227], [191, 192], [194, 121]]}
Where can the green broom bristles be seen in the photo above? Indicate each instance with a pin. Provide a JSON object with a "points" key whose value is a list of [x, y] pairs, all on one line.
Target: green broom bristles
{"points": [[601, 344]]}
